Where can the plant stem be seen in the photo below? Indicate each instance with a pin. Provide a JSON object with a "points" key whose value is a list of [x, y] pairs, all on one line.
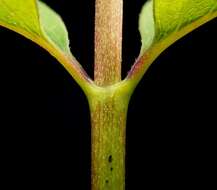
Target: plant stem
{"points": [[108, 41], [108, 105], [108, 118]]}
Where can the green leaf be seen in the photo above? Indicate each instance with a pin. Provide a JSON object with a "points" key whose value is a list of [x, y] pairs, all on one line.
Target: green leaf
{"points": [[163, 19], [173, 16], [53, 27], [39, 23], [146, 26], [162, 22], [34, 20], [20, 14]]}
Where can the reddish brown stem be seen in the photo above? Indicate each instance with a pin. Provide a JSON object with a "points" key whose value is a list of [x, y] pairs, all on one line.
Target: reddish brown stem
{"points": [[108, 41]]}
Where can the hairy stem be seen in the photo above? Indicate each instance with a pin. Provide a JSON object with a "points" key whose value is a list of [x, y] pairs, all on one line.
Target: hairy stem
{"points": [[108, 118], [108, 41]]}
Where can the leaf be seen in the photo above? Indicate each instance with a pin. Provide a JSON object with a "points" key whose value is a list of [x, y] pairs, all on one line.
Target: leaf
{"points": [[34, 19], [146, 26], [176, 15], [162, 22], [39, 23], [53, 27]]}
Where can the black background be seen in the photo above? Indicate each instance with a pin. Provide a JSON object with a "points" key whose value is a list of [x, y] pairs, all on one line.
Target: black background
{"points": [[44, 120]]}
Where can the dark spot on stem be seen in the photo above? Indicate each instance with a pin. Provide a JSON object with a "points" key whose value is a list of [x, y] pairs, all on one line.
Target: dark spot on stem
{"points": [[110, 159], [106, 181], [111, 169]]}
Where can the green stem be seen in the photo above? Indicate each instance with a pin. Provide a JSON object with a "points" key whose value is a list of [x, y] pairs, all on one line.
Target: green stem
{"points": [[108, 117]]}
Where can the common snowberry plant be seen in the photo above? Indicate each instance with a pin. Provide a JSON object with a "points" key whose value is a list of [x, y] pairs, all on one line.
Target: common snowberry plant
{"points": [[161, 23]]}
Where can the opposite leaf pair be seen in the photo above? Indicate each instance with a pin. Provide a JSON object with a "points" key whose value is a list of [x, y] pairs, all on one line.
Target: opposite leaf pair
{"points": [[161, 23]]}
